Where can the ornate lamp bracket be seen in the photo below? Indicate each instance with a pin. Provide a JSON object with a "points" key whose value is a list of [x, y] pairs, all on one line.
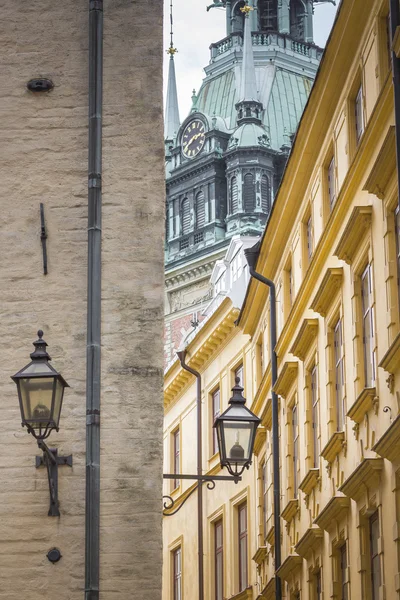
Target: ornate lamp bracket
{"points": [[169, 503], [51, 460]]}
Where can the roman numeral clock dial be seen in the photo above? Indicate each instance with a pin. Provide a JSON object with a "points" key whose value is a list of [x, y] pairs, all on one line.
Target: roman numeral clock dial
{"points": [[193, 138]]}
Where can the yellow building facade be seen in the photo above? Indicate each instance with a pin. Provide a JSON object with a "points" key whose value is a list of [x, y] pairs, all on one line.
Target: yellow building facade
{"points": [[332, 248]]}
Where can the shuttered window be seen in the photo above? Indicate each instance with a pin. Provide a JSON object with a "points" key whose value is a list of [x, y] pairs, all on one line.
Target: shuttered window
{"points": [[200, 210], [185, 210], [249, 193], [234, 195], [265, 194]]}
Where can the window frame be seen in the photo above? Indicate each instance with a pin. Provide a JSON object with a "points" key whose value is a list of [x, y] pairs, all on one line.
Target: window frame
{"points": [[367, 316], [177, 573], [243, 555], [176, 457], [338, 363], [218, 551], [374, 558], [359, 117], [315, 424]]}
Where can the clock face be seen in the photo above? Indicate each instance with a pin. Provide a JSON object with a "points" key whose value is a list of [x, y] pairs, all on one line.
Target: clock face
{"points": [[193, 138]]}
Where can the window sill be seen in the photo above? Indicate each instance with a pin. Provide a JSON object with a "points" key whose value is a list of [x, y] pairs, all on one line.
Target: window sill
{"points": [[367, 474], [310, 481], [309, 541], [260, 555], [246, 594], [290, 510], [388, 446]]}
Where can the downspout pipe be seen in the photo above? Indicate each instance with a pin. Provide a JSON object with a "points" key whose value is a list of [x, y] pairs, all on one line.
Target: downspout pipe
{"points": [[182, 356], [251, 257], [394, 23], [93, 346]]}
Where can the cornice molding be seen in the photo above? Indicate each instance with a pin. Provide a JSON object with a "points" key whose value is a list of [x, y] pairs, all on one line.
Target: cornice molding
{"points": [[286, 378], [326, 293], [246, 594], [306, 336], [357, 225], [366, 475], [332, 512], [260, 555], [388, 445], [309, 541], [269, 591], [259, 442]]}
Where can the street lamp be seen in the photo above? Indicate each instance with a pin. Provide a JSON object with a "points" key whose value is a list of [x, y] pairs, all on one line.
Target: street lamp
{"points": [[236, 431], [40, 392]]}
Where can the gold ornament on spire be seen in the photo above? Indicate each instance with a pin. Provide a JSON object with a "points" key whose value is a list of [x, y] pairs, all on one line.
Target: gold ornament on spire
{"points": [[171, 51], [246, 10]]}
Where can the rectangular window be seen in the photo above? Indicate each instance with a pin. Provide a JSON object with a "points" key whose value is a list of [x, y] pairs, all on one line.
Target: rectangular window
{"points": [[216, 411], [397, 231], [177, 571], [374, 555], [343, 572], [264, 500], [219, 560], [368, 327], [318, 586], [331, 183], [295, 434], [315, 419], [239, 373], [176, 456], [290, 279], [359, 114], [339, 375], [310, 241], [242, 529]]}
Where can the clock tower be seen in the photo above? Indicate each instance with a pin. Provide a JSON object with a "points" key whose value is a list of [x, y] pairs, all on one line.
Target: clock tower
{"points": [[224, 162]]}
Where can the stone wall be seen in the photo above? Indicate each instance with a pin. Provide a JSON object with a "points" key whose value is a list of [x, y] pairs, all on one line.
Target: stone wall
{"points": [[43, 158]]}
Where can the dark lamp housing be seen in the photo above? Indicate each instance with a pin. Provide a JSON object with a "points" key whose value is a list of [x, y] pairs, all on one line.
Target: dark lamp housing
{"points": [[236, 431], [40, 392], [40, 85]]}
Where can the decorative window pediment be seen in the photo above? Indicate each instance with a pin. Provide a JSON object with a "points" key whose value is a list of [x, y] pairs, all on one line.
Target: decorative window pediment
{"points": [[333, 511], [367, 474], [391, 361], [310, 481], [286, 378], [333, 447], [269, 591], [290, 510], [260, 440], [309, 541], [363, 404], [289, 565], [246, 594], [327, 291], [357, 225], [388, 446], [384, 166], [266, 417], [306, 336], [260, 555]]}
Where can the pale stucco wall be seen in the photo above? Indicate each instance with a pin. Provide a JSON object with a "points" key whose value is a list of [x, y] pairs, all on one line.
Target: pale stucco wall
{"points": [[43, 158]]}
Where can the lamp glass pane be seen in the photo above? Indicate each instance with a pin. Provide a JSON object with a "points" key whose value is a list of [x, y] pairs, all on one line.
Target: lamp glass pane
{"points": [[36, 397], [238, 436], [58, 398]]}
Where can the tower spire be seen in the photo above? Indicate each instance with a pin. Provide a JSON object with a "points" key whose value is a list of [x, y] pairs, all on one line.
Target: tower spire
{"points": [[172, 121], [248, 107]]}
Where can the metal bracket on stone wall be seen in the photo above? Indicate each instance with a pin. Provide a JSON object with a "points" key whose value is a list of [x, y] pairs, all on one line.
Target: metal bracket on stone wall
{"points": [[43, 238], [51, 460]]}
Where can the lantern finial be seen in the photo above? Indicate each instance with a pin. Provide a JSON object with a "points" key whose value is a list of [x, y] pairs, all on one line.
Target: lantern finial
{"points": [[40, 351]]}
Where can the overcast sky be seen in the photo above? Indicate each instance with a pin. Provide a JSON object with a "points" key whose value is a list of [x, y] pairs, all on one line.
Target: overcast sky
{"points": [[194, 31]]}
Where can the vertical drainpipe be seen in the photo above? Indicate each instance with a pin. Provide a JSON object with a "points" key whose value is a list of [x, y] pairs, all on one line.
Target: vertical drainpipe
{"points": [[251, 257], [181, 356], [92, 509], [394, 23]]}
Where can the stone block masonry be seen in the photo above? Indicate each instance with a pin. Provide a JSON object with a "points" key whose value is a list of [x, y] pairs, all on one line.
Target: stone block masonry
{"points": [[43, 158]]}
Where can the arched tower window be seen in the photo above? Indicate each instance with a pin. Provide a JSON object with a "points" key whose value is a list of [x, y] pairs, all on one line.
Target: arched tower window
{"points": [[297, 19], [265, 194], [268, 11], [200, 210], [238, 17], [234, 196], [185, 218], [249, 193]]}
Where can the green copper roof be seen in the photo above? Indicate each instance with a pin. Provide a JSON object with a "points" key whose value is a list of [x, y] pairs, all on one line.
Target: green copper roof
{"points": [[283, 94]]}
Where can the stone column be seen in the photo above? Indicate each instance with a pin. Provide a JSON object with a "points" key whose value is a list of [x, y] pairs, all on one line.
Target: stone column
{"points": [[283, 17]]}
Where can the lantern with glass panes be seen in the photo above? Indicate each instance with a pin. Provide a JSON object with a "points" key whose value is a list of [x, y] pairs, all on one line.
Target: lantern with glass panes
{"points": [[236, 431], [40, 392]]}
